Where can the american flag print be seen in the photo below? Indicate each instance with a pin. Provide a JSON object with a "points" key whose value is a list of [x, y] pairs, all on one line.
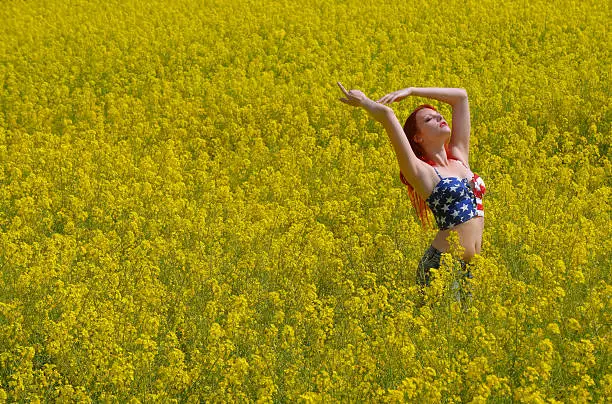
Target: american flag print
{"points": [[456, 200], [479, 189]]}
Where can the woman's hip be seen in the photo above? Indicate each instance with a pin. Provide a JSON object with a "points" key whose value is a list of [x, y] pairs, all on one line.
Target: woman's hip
{"points": [[431, 259]]}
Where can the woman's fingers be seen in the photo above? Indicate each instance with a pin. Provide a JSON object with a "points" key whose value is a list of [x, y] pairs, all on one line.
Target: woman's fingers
{"points": [[386, 99], [350, 97], [393, 97], [344, 100], [343, 89], [389, 98], [350, 94], [349, 102]]}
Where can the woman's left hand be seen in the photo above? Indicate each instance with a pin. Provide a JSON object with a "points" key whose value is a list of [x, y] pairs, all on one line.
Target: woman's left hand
{"points": [[395, 96]]}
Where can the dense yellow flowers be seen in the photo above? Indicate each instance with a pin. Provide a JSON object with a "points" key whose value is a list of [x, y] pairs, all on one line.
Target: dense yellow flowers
{"points": [[189, 214]]}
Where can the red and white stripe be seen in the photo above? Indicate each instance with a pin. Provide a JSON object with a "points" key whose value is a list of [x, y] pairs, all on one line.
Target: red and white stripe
{"points": [[479, 191]]}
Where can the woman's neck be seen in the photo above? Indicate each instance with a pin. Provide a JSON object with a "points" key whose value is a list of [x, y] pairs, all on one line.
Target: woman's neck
{"points": [[440, 159]]}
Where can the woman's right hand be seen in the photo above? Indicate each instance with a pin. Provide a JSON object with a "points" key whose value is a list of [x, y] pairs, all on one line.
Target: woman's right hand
{"points": [[396, 96], [358, 99], [355, 98]]}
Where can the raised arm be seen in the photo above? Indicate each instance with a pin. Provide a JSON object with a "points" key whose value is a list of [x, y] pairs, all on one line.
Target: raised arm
{"points": [[448, 95], [459, 144], [416, 171]]}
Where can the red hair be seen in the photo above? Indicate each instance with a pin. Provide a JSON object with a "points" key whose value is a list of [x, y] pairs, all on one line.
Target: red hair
{"points": [[410, 130]]}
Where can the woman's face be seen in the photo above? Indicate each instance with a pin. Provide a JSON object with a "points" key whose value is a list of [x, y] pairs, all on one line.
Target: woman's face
{"points": [[431, 125]]}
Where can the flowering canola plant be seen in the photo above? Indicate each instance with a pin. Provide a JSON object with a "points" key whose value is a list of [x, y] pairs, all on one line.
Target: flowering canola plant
{"points": [[188, 213]]}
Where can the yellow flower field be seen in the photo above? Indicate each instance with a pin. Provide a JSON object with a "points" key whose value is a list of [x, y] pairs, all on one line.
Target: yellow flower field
{"points": [[189, 214]]}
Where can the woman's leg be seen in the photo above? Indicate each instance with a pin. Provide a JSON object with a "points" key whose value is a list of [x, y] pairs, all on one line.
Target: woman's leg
{"points": [[461, 285], [431, 259]]}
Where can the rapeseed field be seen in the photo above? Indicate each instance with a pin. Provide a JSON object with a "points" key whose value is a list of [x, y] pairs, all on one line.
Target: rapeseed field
{"points": [[189, 214]]}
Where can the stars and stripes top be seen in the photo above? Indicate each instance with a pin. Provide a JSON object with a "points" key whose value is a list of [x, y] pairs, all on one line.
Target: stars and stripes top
{"points": [[456, 200]]}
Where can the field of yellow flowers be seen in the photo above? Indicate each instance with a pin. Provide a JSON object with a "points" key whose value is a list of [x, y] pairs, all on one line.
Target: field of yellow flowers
{"points": [[188, 213]]}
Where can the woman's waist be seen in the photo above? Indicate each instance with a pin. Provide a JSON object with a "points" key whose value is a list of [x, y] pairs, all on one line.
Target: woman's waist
{"points": [[470, 237]]}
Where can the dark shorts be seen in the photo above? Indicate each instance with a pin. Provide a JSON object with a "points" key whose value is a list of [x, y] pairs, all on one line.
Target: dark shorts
{"points": [[431, 259]]}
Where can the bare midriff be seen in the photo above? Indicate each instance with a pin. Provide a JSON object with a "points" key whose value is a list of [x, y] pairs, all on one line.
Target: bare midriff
{"points": [[470, 237]]}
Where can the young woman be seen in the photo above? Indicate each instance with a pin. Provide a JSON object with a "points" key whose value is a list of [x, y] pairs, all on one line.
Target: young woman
{"points": [[434, 165]]}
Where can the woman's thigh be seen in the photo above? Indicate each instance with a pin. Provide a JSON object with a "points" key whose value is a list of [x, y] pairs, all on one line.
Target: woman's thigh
{"points": [[430, 259]]}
